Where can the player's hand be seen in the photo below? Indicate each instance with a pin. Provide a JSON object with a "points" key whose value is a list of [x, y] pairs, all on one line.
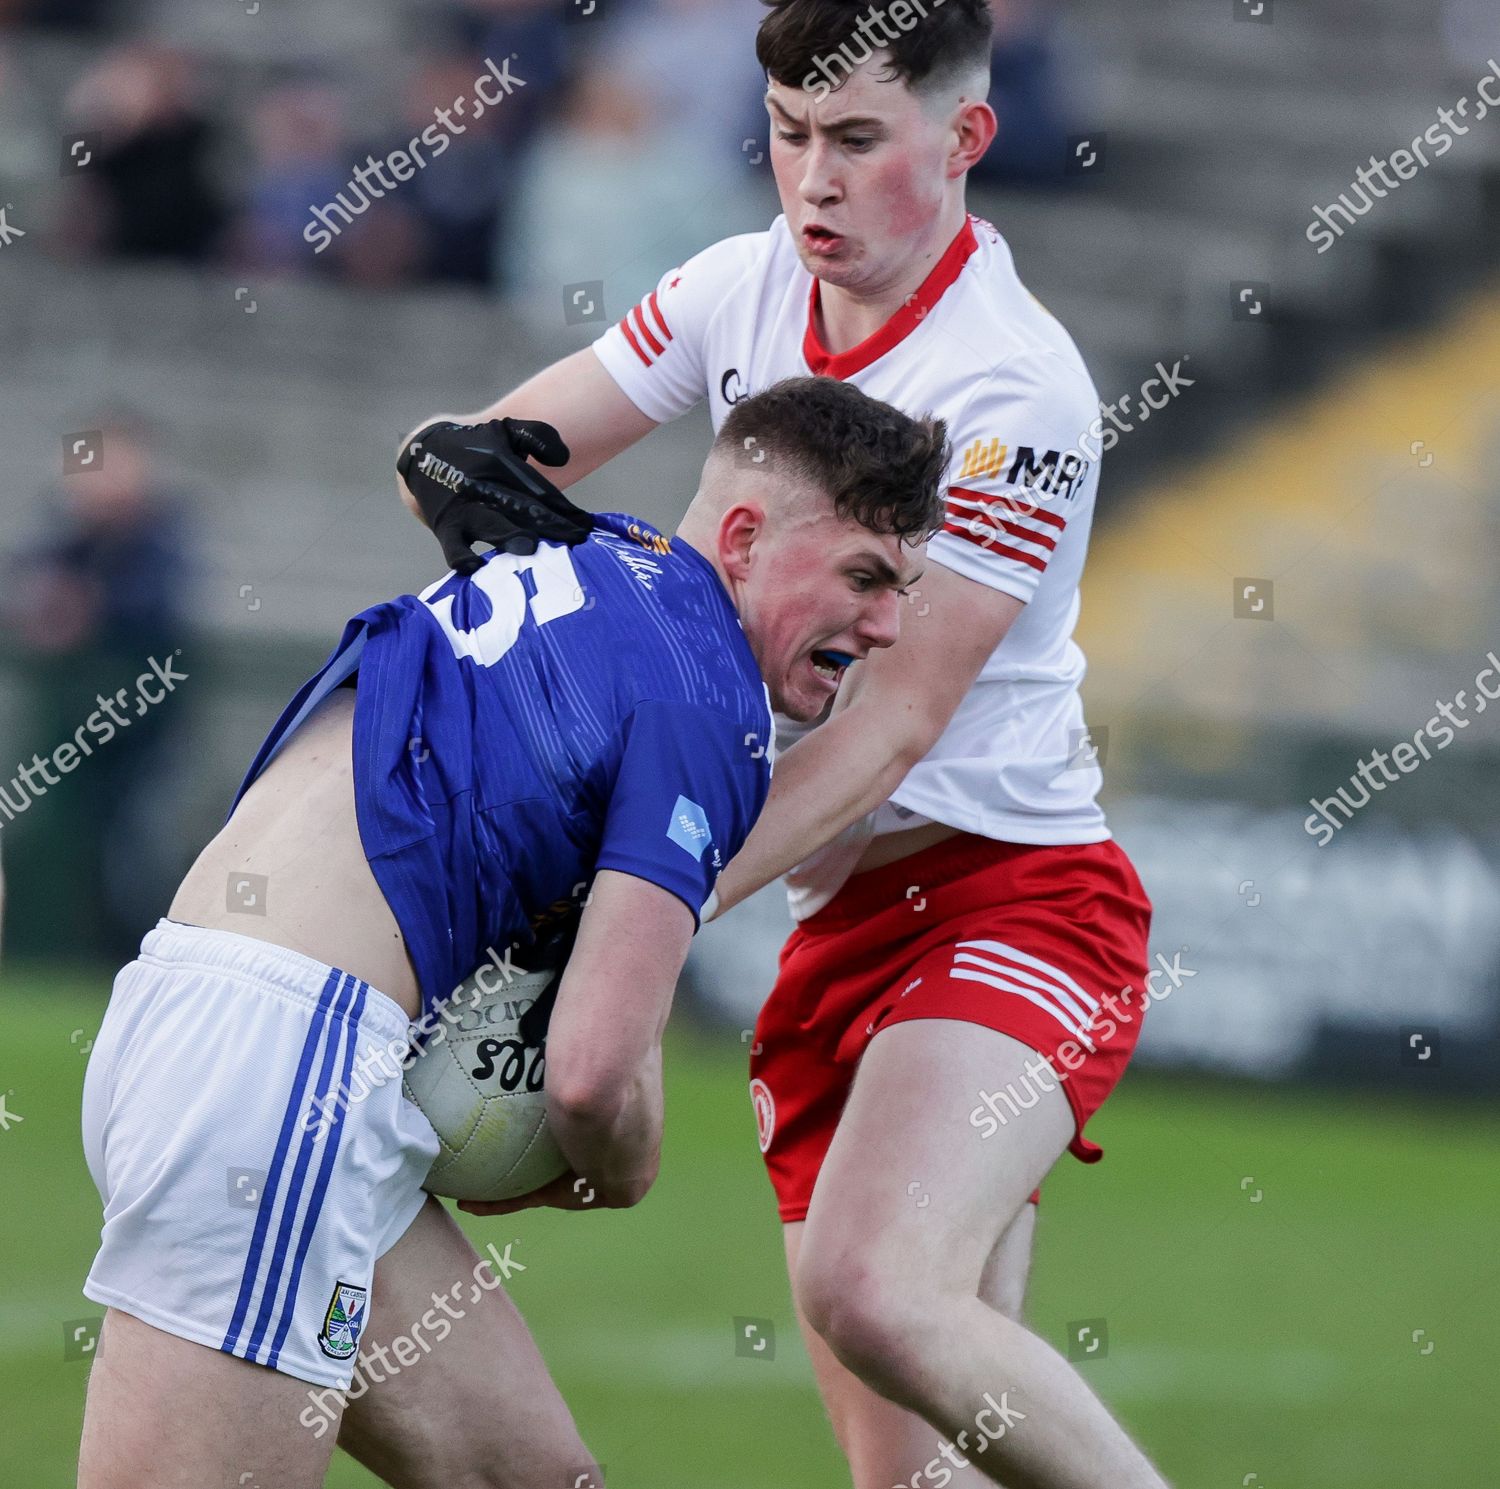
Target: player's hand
{"points": [[474, 484], [566, 1192]]}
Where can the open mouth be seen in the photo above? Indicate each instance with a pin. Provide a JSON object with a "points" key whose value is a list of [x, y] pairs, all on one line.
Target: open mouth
{"points": [[820, 240], [830, 665]]}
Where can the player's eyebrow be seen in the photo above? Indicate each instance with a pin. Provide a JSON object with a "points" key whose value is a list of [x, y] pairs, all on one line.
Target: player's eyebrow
{"points": [[852, 121], [881, 569]]}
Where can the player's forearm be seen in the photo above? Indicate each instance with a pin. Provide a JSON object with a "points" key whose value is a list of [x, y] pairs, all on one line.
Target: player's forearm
{"points": [[612, 1136], [603, 1085], [826, 781]]}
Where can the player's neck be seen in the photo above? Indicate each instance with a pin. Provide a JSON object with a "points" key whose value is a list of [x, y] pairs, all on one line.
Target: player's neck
{"points": [[698, 533], [848, 316]]}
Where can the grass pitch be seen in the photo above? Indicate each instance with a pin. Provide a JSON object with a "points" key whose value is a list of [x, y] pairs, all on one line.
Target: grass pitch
{"points": [[1298, 1289]]}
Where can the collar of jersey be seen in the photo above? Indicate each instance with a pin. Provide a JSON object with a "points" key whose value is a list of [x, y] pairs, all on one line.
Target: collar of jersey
{"points": [[823, 363]]}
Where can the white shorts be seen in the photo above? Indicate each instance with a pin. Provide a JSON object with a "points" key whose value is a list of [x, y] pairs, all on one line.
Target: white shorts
{"points": [[244, 1122]]}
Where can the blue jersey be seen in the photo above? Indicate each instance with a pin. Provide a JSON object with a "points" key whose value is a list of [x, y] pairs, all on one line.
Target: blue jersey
{"points": [[585, 708]]}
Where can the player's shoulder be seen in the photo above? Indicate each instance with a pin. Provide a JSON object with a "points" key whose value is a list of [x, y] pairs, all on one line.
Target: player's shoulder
{"points": [[1028, 353], [742, 260], [713, 272], [679, 630], [629, 535]]}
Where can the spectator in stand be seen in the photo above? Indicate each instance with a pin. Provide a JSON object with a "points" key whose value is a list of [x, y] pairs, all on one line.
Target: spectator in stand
{"points": [[104, 590], [152, 188], [75, 16], [543, 37], [302, 155], [1027, 96], [696, 60], [641, 169], [453, 206]]}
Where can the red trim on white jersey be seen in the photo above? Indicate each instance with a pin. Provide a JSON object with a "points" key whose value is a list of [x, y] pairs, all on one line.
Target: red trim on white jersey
{"points": [[974, 346], [975, 517], [823, 363], [644, 327]]}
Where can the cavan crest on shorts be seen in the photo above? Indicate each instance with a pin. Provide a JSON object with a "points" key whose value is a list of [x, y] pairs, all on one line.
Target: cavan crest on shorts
{"points": [[339, 1336]]}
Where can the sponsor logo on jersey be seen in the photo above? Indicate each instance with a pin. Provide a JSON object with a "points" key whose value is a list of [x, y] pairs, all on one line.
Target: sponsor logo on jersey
{"points": [[983, 458], [689, 827], [339, 1336], [731, 389], [1051, 471], [648, 537], [765, 1112]]}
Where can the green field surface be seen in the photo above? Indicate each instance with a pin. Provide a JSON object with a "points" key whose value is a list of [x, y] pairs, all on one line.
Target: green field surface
{"points": [[1298, 1288]]}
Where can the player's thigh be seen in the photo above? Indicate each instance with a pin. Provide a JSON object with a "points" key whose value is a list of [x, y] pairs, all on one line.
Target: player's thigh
{"points": [[166, 1413], [910, 1186], [469, 1401]]}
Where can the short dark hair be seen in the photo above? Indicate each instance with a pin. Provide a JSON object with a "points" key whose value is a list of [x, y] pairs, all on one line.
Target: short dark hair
{"points": [[802, 39], [882, 468]]}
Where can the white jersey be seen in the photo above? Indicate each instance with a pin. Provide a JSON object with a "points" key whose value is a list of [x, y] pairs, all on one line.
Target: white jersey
{"points": [[974, 347]]}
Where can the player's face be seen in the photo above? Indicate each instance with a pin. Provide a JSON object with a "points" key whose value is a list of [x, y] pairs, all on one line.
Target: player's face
{"points": [[818, 594], [863, 176]]}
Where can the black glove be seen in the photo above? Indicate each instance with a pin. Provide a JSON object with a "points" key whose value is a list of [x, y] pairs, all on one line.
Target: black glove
{"points": [[473, 484]]}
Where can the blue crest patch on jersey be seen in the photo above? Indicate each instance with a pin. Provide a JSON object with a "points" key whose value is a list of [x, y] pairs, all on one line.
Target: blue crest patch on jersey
{"points": [[339, 1336], [689, 828]]}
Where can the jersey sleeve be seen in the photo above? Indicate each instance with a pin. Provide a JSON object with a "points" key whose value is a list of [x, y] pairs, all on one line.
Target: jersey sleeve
{"points": [[689, 787], [1017, 478], [656, 351]]}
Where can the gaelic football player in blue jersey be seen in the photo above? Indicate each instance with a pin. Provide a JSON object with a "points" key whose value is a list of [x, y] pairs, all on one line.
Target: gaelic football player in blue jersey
{"points": [[594, 711]]}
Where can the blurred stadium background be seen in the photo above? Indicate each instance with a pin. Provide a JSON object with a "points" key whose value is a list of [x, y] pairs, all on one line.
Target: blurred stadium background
{"points": [[1291, 1247]]}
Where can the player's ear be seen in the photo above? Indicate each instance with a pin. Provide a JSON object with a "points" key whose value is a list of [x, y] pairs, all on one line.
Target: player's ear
{"points": [[974, 127], [739, 528]]}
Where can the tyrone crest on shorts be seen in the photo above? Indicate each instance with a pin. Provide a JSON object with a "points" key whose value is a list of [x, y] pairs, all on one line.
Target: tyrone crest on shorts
{"points": [[339, 1336], [765, 1111]]}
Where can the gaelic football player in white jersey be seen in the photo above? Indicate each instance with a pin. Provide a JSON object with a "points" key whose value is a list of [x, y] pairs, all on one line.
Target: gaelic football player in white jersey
{"points": [[963, 988]]}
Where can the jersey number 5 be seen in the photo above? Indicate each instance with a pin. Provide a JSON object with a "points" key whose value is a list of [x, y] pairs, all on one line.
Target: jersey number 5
{"points": [[557, 592]]}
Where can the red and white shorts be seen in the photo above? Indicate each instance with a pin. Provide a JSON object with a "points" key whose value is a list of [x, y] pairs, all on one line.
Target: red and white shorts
{"points": [[1023, 939]]}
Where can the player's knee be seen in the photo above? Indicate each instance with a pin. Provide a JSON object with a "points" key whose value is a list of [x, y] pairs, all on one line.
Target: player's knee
{"points": [[872, 1317]]}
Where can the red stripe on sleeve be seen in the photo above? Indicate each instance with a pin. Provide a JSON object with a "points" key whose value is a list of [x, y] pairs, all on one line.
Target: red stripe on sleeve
{"points": [[990, 546], [661, 320], [1009, 503], [645, 330], [635, 345], [1025, 532]]}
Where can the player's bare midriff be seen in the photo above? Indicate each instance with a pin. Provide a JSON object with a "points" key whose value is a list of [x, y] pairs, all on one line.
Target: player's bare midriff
{"points": [[288, 866], [890, 846]]}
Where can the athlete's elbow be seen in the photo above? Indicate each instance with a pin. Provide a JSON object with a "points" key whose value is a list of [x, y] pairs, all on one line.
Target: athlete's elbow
{"points": [[623, 1194], [593, 1089], [588, 1096]]}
